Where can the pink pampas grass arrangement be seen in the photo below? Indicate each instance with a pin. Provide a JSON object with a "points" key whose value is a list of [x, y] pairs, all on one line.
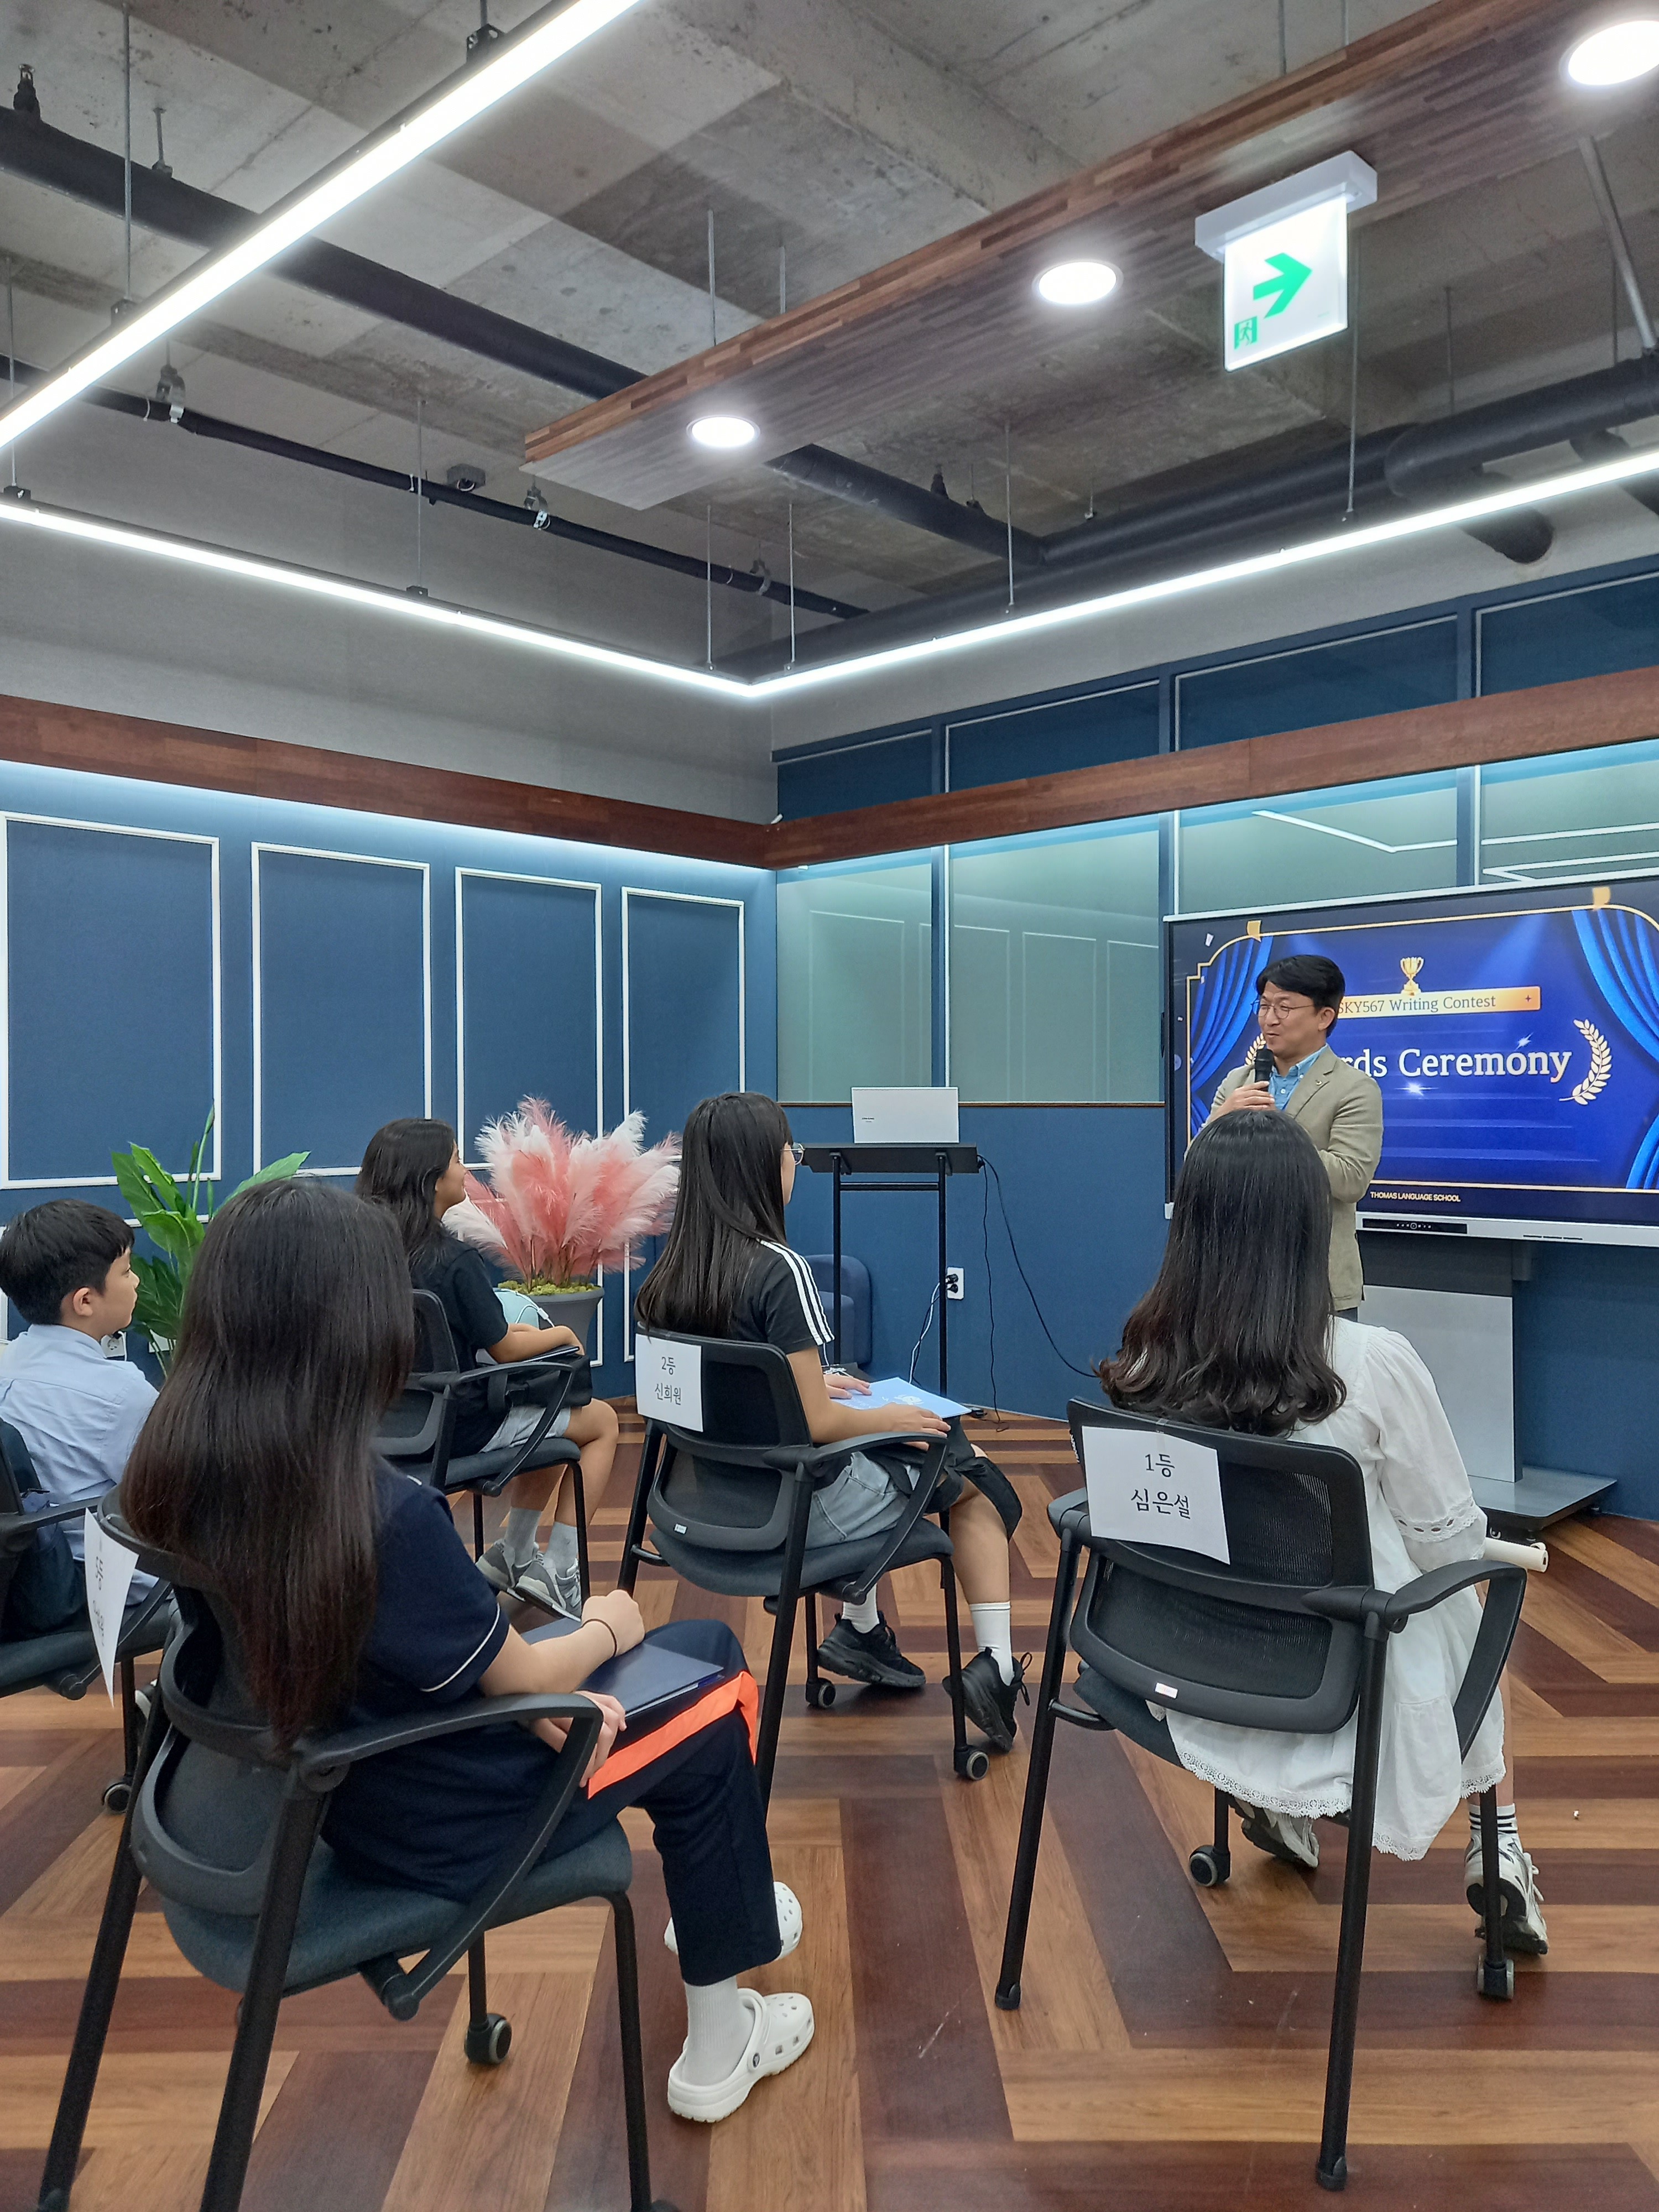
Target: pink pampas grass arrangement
{"points": [[559, 1207]]}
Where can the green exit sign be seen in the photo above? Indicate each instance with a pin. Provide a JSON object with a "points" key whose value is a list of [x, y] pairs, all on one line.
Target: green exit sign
{"points": [[1284, 257]]}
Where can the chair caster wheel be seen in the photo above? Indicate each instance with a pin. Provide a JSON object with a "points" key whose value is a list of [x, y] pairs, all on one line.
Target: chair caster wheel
{"points": [[1492, 1981], [1210, 1867], [489, 2040], [820, 1695], [973, 1765], [118, 1794]]}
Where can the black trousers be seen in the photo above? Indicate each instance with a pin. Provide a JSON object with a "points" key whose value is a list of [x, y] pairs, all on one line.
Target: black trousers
{"points": [[709, 1824]]}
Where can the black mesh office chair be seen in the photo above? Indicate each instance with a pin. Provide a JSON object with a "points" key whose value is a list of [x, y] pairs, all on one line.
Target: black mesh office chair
{"points": [[224, 1827], [65, 1659], [417, 1433], [728, 1506], [1290, 1636]]}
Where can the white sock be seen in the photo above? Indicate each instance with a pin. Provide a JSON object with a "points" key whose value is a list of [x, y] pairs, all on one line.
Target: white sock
{"points": [[864, 1616], [717, 2025], [519, 1534], [561, 1546], [1506, 1819], [994, 1631]]}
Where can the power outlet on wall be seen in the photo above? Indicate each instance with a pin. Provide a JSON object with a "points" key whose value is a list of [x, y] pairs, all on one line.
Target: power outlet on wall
{"points": [[953, 1283]]}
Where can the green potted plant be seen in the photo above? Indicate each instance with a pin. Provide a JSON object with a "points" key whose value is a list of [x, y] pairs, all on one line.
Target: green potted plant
{"points": [[558, 1207], [174, 1217]]}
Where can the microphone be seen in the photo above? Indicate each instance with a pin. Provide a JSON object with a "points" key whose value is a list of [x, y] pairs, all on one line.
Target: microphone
{"points": [[1261, 1066]]}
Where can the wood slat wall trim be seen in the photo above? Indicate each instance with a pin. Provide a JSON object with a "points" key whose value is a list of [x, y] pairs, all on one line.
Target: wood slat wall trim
{"points": [[1554, 717], [48, 735], [1459, 91]]}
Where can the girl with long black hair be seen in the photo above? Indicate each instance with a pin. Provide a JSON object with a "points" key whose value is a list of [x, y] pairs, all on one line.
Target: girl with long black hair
{"points": [[1238, 1333], [413, 1169], [354, 1600], [727, 1270]]}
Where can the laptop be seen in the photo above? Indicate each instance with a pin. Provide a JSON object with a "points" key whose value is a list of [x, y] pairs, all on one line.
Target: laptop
{"points": [[904, 1114]]}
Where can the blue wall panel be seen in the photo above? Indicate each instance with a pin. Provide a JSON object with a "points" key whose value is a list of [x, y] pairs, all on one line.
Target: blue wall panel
{"points": [[1084, 1189], [109, 942], [867, 775], [1548, 639], [1380, 673], [341, 1030], [1045, 740], [530, 1018], [683, 1016]]}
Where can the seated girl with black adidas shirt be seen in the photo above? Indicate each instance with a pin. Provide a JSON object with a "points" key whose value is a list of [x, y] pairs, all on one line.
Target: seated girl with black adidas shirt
{"points": [[727, 1270]]}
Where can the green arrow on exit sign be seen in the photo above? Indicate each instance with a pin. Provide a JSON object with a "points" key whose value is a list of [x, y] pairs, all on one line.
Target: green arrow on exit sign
{"points": [[1291, 275]]}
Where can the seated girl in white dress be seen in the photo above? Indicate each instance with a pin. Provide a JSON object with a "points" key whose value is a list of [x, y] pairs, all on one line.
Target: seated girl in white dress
{"points": [[1238, 1333]]}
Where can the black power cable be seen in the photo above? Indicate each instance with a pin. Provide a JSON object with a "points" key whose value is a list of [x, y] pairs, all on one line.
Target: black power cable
{"points": [[1088, 1373]]}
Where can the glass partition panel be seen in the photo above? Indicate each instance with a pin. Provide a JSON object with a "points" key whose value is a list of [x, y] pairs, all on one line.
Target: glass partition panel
{"points": [[1542, 820], [1055, 990], [1362, 840], [855, 987]]}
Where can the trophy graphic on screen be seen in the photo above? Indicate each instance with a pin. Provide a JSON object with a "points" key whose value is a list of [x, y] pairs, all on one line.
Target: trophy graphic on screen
{"points": [[1411, 969]]}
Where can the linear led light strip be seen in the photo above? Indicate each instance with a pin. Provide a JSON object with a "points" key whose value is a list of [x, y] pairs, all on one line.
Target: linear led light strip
{"points": [[498, 69], [29, 513]]}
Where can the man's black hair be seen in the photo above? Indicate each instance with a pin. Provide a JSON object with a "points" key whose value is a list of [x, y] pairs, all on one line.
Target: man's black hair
{"points": [[1309, 975], [53, 1251]]}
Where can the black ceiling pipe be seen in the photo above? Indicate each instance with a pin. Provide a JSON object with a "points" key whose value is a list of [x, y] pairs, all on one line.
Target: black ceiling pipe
{"points": [[1602, 446], [444, 494], [1262, 522], [62, 163], [820, 469], [46, 156], [1416, 464]]}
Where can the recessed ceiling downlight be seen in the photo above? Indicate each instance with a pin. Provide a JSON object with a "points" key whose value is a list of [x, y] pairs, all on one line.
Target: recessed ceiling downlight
{"points": [[1616, 54], [723, 434], [1077, 284]]}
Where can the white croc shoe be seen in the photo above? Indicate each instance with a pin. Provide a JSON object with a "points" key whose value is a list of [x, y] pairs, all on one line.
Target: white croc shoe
{"points": [[781, 2028], [790, 1922]]}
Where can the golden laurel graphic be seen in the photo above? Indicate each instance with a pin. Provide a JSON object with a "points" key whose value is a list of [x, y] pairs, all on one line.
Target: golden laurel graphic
{"points": [[1411, 969], [1601, 1066]]}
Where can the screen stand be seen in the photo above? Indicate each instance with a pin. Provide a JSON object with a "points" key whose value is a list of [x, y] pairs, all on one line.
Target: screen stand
{"points": [[1453, 1300]]}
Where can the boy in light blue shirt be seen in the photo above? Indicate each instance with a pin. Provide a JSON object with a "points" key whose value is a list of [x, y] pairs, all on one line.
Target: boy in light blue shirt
{"points": [[67, 1266]]}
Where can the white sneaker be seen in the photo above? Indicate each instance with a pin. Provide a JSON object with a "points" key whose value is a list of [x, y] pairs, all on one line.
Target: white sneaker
{"points": [[1284, 1836], [790, 1922], [1518, 1890], [780, 2029]]}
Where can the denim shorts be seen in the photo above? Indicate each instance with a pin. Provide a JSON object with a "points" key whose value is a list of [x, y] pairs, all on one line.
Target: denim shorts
{"points": [[859, 1501]]}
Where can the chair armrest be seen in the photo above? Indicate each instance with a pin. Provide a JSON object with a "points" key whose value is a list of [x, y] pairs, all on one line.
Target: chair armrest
{"points": [[927, 1482], [152, 1626], [16, 1528], [400, 1992], [1442, 1582], [1061, 1510], [321, 1760]]}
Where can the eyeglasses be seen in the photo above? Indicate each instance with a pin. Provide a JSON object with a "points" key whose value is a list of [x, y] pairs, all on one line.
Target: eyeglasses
{"points": [[797, 1152]]}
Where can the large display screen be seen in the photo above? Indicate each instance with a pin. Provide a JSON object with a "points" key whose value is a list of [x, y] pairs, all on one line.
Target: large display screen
{"points": [[1514, 1033]]}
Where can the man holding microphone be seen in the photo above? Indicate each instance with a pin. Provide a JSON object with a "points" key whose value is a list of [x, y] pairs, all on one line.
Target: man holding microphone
{"points": [[1299, 1000]]}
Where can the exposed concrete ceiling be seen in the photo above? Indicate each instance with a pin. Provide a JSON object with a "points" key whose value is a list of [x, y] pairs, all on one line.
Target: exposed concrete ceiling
{"points": [[837, 136]]}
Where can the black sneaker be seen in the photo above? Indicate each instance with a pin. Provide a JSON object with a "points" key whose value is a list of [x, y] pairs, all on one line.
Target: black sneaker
{"points": [[869, 1655], [989, 1702]]}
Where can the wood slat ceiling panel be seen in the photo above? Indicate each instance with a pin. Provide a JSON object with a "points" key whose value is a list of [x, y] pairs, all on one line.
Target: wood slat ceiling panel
{"points": [[1462, 91]]}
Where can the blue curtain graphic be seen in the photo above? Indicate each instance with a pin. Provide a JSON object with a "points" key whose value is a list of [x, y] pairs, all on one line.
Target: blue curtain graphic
{"points": [[1226, 999], [1618, 948]]}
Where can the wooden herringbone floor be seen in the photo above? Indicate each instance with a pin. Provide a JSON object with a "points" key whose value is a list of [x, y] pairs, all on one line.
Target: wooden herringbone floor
{"points": [[1170, 2053]]}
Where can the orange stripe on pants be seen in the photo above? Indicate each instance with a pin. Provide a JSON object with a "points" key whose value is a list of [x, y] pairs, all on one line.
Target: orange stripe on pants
{"points": [[739, 1695]]}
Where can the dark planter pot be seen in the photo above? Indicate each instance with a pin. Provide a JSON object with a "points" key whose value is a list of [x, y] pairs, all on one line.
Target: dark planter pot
{"points": [[571, 1310]]}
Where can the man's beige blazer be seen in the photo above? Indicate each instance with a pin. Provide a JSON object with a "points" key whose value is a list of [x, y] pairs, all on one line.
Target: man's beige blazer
{"points": [[1341, 1110]]}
